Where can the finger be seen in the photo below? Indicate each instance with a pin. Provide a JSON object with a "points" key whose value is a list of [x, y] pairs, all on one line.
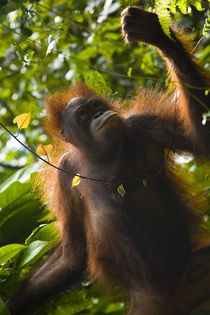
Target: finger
{"points": [[132, 37], [131, 11], [124, 12], [129, 19], [131, 27]]}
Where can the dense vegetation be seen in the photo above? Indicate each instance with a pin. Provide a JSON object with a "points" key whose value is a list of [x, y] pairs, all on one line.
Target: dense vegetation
{"points": [[46, 45]]}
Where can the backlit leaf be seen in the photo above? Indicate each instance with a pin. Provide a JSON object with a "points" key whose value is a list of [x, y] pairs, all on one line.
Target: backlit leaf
{"points": [[44, 149], [121, 190], [162, 10], [206, 29], [76, 180], [129, 72], [197, 4], [95, 80], [9, 251], [22, 120], [34, 251]]}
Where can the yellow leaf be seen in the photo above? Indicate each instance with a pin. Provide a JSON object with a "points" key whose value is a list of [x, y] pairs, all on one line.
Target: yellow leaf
{"points": [[22, 120], [144, 182], [76, 180], [129, 72], [44, 149], [121, 190]]}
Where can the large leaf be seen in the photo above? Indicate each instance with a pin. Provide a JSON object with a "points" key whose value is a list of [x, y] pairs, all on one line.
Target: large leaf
{"points": [[22, 176], [34, 251], [9, 251], [45, 232], [20, 209]]}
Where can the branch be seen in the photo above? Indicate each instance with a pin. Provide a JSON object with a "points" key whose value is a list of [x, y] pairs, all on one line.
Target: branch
{"points": [[10, 167]]}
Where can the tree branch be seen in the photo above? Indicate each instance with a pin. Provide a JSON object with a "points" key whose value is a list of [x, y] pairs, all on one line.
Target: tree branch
{"points": [[10, 167]]}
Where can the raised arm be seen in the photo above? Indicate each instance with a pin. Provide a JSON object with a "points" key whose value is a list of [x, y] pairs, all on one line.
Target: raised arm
{"points": [[190, 80], [68, 262]]}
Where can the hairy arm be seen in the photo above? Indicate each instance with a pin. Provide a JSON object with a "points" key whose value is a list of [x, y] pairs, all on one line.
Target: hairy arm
{"points": [[190, 80], [166, 132]]}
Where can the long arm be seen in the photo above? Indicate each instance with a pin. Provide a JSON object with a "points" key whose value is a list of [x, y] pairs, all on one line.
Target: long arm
{"points": [[68, 262], [190, 80]]}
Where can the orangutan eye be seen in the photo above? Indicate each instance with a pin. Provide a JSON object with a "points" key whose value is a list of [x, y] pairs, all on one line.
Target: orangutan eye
{"points": [[82, 114]]}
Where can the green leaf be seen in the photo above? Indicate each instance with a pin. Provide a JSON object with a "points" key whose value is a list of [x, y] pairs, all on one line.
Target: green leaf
{"points": [[197, 4], [34, 251], [9, 251], [183, 6], [26, 31], [21, 176], [96, 81], [45, 232], [20, 208], [206, 29], [3, 309], [172, 6], [114, 307], [200, 174], [162, 8], [129, 72]]}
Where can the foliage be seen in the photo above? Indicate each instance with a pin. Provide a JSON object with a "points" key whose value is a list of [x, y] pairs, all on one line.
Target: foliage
{"points": [[164, 7], [85, 299], [21, 213], [206, 29], [46, 45]]}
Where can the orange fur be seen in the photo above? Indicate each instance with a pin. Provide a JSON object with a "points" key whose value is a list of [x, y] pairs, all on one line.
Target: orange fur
{"points": [[142, 240]]}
